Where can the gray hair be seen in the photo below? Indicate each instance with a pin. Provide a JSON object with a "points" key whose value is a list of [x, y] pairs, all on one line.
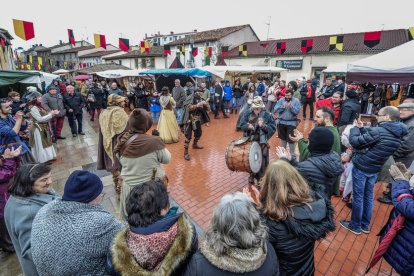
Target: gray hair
{"points": [[70, 87], [235, 223]]}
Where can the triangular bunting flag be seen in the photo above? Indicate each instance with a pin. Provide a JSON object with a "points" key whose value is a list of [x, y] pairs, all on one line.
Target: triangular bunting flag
{"points": [[306, 45], [372, 39], [23, 29], [124, 44], [336, 42], [225, 51], [243, 50], [194, 51], [280, 48], [71, 37], [99, 41], [264, 45], [167, 50], [411, 33]]}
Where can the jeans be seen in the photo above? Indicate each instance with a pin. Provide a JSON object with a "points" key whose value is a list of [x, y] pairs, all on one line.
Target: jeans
{"points": [[236, 103], [363, 198], [155, 117], [179, 114], [271, 106], [72, 119], [219, 106]]}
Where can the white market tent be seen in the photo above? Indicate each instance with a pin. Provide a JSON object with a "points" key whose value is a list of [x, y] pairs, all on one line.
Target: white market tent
{"points": [[220, 71], [44, 77], [119, 73], [61, 72], [337, 68], [394, 65]]}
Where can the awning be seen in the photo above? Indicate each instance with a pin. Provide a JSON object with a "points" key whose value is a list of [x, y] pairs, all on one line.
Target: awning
{"points": [[220, 71], [61, 72], [114, 74], [194, 72], [337, 68], [9, 77]]}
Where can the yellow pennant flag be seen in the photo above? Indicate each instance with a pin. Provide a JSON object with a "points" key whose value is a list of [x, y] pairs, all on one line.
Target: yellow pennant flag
{"points": [[30, 58], [40, 61]]}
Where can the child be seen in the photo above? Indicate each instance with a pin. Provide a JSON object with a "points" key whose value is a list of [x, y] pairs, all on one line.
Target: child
{"points": [[17, 103], [155, 107]]}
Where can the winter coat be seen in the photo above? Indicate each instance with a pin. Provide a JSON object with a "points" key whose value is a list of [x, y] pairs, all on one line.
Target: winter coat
{"points": [[350, 109], [54, 102], [328, 103], [339, 88], [74, 102], [374, 145], [8, 169], [321, 171], [218, 94], [405, 152], [304, 94], [19, 214], [256, 261], [141, 100], [328, 91], [72, 238], [280, 92], [121, 259], [269, 125], [237, 91], [288, 115], [155, 104], [16, 106], [400, 254], [179, 96], [99, 98], [294, 238], [117, 91], [228, 93], [9, 137]]}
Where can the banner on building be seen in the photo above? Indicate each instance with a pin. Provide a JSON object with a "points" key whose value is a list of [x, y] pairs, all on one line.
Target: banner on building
{"points": [[243, 50], [145, 47], [411, 33], [372, 39], [167, 50], [336, 42], [71, 37], [225, 51], [280, 48], [23, 29], [124, 44], [99, 41], [306, 45]]}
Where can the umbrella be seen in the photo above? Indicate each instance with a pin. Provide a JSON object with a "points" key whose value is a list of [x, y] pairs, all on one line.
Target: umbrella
{"points": [[82, 77], [396, 226]]}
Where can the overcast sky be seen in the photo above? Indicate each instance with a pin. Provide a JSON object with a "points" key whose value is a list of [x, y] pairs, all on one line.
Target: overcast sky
{"points": [[132, 19]]}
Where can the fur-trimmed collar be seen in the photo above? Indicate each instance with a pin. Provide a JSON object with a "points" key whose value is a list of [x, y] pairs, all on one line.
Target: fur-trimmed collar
{"points": [[124, 262], [236, 260]]}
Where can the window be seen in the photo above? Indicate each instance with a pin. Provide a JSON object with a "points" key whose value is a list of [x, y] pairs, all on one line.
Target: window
{"points": [[165, 38], [148, 63], [136, 63], [170, 38]]}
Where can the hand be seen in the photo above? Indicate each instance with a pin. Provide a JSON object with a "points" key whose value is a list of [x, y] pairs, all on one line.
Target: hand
{"points": [[358, 123], [403, 169], [260, 122], [11, 153], [19, 115], [70, 110], [252, 194], [22, 105], [200, 104], [281, 152], [396, 173], [297, 135], [54, 112], [250, 126]]}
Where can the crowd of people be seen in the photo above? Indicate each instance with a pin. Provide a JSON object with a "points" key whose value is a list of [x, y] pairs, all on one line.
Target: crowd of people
{"points": [[268, 229]]}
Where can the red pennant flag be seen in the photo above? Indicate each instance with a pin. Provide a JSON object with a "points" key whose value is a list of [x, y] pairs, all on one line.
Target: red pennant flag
{"points": [[372, 39], [264, 45], [194, 51], [306, 45], [3, 44], [124, 44], [225, 51], [23, 29], [71, 37], [210, 51], [280, 48], [167, 50], [99, 41]]}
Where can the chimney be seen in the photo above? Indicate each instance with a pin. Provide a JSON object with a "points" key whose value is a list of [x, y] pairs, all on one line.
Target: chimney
{"points": [[195, 30], [146, 35], [159, 33], [171, 33], [60, 42]]}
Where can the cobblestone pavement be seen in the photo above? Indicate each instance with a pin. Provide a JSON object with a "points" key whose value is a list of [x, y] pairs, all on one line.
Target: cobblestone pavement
{"points": [[198, 184]]}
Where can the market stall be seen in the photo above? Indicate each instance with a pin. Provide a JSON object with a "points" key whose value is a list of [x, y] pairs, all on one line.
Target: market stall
{"points": [[221, 71]]}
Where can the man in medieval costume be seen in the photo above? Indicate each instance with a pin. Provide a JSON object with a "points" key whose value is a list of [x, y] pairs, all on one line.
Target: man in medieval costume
{"points": [[259, 126], [112, 122], [194, 116]]}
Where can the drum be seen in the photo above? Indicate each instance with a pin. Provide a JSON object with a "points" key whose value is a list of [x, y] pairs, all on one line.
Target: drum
{"points": [[244, 155]]}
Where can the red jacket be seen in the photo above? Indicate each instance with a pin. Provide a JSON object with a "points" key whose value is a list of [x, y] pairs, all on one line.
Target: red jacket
{"points": [[280, 92], [328, 103]]}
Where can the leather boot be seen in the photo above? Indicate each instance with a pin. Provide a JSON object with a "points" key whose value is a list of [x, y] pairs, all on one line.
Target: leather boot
{"points": [[5, 241], [186, 154], [196, 145]]}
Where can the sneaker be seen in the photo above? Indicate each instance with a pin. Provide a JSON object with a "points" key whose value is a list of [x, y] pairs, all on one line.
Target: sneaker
{"points": [[82, 133], [345, 224], [74, 135], [365, 231], [385, 200]]}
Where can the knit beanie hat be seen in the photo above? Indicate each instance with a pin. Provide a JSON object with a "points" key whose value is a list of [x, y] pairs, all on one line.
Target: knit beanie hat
{"points": [[139, 121], [321, 140], [82, 186]]}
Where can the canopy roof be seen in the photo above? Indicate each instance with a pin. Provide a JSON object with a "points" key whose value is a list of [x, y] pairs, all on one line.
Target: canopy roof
{"points": [[394, 65], [337, 68], [9, 77], [120, 73], [61, 71], [194, 72], [220, 71]]}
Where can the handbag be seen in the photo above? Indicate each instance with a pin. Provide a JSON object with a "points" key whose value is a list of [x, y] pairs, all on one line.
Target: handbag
{"points": [[91, 98]]}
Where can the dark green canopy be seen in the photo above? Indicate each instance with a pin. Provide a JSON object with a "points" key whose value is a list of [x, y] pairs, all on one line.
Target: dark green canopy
{"points": [[8, 77]]}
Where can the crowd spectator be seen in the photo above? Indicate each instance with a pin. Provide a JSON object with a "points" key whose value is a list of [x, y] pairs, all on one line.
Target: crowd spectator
{"points": [[219, 101], [307, 97], [29, 191], [155, 107], [179, 97], [158, 240], [52, 100], [227, 97], [281, 90], [295, 217], [373, 146], [326, 90], [74, 103], [350, 108], [236, 242], [17, 103], [141, 96], [339, 87], [237, 96], [272, 97], [115, 90], [72, 235], [96, 100], [168, 126], [333, 103]]}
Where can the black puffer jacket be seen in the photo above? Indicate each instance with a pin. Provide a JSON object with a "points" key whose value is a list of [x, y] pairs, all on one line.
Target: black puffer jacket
{"points": [[141, 100], [99, 98], [294, 238], [350, 109], [374, 145], [405, 152], [321, 171]]}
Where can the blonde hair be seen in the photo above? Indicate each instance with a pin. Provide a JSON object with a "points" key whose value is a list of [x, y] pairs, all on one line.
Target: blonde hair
{"points": [[283, 188]]}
